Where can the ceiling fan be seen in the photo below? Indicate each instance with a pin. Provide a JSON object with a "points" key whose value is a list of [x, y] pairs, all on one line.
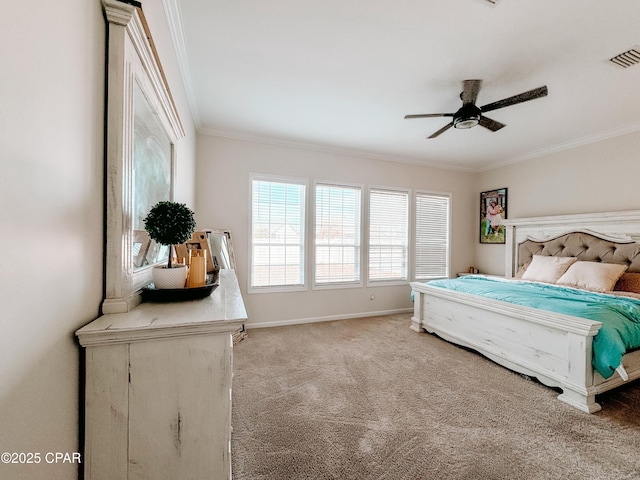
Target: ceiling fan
{"points": [[470, 115]]}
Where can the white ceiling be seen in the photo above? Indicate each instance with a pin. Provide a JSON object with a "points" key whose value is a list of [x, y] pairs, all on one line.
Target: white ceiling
{"points": [[340, 75]]}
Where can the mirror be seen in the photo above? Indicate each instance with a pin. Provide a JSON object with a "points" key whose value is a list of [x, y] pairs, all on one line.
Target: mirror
{"points": [[152, 179], [142, 128], [221, 248]]}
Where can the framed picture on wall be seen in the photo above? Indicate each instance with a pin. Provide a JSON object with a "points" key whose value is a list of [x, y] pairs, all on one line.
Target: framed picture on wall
{"points": [[493, 209]]}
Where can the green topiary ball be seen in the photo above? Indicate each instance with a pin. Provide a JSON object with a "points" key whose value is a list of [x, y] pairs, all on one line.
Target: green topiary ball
{"points": [[170, 223]]}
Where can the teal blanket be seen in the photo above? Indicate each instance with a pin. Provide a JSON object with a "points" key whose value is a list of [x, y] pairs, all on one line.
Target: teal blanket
{"points": [[620, 316]]}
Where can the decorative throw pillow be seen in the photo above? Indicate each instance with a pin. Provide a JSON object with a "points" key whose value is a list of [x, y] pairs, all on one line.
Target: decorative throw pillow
{"points": [[522, 269], [628, 282], [594, 276], [544, 268]]}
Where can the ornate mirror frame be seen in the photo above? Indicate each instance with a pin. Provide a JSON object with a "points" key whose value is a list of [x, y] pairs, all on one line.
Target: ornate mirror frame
{"points": [[132, 60]]}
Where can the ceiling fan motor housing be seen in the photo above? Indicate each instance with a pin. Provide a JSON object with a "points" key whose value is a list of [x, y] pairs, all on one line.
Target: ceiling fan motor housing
{"points": [[467, 116]]}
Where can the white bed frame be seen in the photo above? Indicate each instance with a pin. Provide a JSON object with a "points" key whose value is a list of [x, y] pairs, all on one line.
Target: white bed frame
{"points": [[554, 348]]}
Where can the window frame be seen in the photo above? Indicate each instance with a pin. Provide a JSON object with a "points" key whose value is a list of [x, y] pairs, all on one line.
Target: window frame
{"points": [[303, 235], [414, 262], [409, 248], [313, 230]]}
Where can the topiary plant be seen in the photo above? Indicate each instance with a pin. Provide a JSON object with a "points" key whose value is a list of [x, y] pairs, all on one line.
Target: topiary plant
{"points": [[170, 223]]}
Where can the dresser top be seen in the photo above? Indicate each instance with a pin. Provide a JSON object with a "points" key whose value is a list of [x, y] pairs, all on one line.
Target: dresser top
{"points": [[222, 311]]}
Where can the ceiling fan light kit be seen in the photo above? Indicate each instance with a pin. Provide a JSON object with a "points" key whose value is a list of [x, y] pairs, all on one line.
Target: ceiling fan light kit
{"points": [[470, 115], [466, 122]]}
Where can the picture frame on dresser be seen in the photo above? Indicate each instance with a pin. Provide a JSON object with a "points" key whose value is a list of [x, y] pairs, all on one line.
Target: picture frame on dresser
{"points": [[197, 244]]}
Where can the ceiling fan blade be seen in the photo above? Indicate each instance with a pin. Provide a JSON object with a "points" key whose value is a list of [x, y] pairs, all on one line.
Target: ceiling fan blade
{"points": [[429, 115], [522, 97], [470, 89], [443, 129], [491, 124]]}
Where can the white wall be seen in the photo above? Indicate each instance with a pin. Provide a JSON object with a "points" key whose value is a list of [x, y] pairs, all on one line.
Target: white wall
{"points": [[51, 142], [51, 221], [223, 195], [598, 177]]}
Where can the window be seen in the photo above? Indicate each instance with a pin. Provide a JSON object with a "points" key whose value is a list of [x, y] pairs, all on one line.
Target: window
{"points": [[432, 236], [388, 234], [405, 235], [277, 232], [337, 234]]}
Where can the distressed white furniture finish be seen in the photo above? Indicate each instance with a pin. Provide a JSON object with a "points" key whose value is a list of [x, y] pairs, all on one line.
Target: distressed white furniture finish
{"points": [[555, 348], [158, 388]]}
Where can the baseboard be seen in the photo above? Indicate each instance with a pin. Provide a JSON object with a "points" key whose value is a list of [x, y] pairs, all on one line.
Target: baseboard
{"points": [[299, 321]]}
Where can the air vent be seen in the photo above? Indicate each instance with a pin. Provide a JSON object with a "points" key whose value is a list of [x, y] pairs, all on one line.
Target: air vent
{"points": [[627, 59]]}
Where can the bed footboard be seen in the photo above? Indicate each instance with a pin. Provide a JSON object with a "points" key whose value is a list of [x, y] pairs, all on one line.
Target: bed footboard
{"points": [[554, 348]]}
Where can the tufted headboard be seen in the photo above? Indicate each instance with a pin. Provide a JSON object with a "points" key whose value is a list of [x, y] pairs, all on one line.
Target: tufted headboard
{"points": [[610, 237], [584, 246]]}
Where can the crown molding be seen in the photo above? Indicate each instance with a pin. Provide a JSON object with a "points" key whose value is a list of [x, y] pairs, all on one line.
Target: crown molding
{"points": [[174, 21], [323, 148], [557, 148], [560, 147]]}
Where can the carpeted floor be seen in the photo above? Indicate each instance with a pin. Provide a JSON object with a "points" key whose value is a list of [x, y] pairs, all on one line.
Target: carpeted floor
{"points": [[371, 399]]}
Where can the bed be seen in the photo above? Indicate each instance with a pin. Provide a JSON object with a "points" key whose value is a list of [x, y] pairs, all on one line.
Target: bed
{"points": [[555, 347]]}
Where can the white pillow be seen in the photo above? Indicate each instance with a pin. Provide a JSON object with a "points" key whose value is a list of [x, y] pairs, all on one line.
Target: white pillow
{"points": [[544, 268], [594, 276]]}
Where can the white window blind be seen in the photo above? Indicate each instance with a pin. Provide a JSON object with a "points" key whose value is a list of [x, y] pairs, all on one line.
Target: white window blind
{"points": [[388, 234], [432, 236], [277, 233], [337, 234]]}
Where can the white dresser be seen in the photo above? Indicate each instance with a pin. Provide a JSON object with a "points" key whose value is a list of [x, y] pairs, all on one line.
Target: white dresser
{"points": [[158, 388]]}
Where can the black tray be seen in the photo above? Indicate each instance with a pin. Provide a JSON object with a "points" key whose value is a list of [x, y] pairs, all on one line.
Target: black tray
{"points": [[152, 294]]}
